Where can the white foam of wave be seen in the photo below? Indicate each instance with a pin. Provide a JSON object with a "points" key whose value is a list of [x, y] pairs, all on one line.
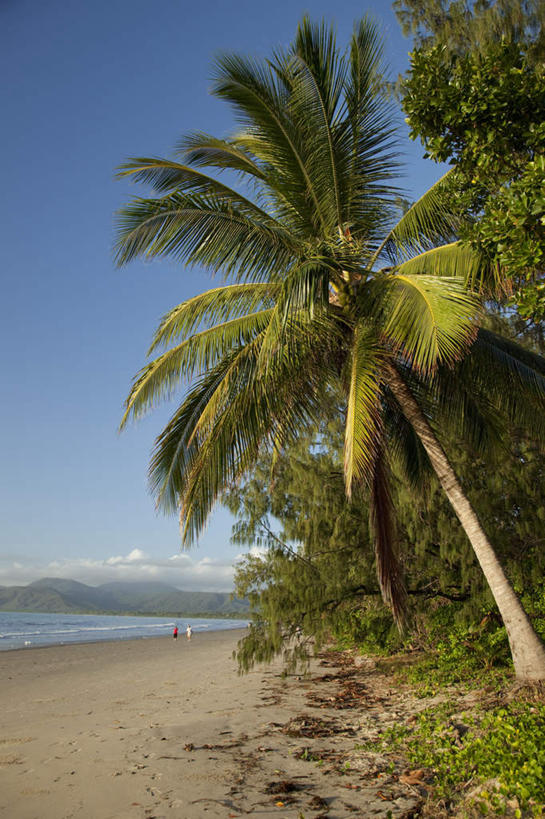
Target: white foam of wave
{"points": [[83, 629]]}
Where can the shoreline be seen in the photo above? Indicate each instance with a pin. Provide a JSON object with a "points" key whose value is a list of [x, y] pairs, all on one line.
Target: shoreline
{"points": [[108, 641], [20, 631]]}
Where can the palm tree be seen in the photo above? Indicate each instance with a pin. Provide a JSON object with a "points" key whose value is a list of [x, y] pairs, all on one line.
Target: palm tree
{"points": [[326, 289]]}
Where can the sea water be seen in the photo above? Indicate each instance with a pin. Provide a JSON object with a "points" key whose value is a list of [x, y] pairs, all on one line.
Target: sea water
{"points": [[27, 630]]}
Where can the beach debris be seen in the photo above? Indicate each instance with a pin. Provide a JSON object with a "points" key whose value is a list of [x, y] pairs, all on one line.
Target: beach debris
{"points": [[413, 777], [317, 803], [282, 786], [309, 754], [337, 659], [224, 746], [345, 674], [306, 726], [350, 696], [189, 746], [227, 803]]}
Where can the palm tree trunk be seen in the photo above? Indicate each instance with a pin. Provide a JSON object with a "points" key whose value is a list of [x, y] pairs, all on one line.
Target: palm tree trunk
{"points": [[527, 650]]}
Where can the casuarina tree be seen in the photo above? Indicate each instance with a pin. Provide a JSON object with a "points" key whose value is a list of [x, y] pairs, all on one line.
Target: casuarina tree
{"points": [[327, 291]]}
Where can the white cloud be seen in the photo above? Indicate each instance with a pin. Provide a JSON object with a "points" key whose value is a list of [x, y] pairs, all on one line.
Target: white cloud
{"points": [[136, 556], [179, 570]]}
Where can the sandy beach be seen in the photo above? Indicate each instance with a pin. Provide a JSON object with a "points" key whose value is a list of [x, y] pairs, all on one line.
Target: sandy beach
{"points": [[162, 728]]}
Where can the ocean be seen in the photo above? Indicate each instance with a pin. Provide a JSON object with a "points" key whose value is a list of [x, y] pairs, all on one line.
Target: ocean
{"points": [[27, 630]]}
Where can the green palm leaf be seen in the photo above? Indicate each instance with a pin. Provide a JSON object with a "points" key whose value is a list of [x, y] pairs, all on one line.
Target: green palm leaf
{"points": [[213, 307], [165, 175], [174, 454], [252, 407], [203, 231], [261, 104], [363, 424], [428, 222], [431, 321], [310, 109], [455, 260], [202, 150], [158, 380]]}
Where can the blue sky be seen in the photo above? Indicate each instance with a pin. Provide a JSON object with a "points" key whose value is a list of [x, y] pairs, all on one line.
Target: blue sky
{"points": [[85, 86]]}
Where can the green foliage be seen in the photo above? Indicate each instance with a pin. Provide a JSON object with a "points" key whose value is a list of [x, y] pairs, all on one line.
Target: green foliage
{"points": [[461, 654], [465, 650], [504, 743], [316, 573], [459, 25], [316, 566], [369, 628], [482, 106]]}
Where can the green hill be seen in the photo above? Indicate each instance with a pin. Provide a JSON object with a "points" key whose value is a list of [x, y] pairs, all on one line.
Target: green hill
{"points": [[56, 595]]}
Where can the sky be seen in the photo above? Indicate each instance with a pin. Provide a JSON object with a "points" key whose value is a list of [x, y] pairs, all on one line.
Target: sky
{"points": [[86, 85]]}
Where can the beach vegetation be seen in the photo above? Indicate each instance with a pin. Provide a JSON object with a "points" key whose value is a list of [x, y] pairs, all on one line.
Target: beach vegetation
{"points": [[333, 293], [310, 569], [489, 758]]}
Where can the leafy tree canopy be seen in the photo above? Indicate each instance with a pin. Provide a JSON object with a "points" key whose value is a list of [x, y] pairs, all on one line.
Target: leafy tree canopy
{"points": [[460, 25], [475, 96]]}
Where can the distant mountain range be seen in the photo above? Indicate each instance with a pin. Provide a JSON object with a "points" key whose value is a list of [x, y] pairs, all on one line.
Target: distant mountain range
{"points": [[55, 595]]}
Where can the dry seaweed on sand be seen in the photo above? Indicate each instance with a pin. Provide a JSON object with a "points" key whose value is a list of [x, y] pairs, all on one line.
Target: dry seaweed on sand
{"points": [[304, 725]]}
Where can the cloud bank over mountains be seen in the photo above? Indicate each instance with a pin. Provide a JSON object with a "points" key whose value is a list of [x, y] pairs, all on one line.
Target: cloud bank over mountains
{"points": [[181, 570]]}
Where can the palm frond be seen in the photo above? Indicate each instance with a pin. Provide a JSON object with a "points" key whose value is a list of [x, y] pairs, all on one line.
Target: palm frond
{"points": [[311, 109], [428, 222], [174, 455], [158, 380], [253, 406], [363, 424], [382, 519], [202, 230], [262, 105], [405, 448], [212, 307], [165, 175], [512, 378], [431, 321], [301, 300], [455, 260], [365, 136], [315, 45], [203, 150], [457, 407]]}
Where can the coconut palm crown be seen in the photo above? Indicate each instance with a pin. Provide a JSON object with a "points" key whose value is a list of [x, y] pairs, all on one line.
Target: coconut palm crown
{"points": [[327, 290]]}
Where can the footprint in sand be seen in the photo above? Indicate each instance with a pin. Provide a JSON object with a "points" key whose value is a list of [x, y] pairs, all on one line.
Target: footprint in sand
{"points": [[10, 759], [16, 740], [35, 792]]}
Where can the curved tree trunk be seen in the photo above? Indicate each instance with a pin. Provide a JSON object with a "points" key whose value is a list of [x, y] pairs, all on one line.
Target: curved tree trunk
{"points": [[527, 650]]}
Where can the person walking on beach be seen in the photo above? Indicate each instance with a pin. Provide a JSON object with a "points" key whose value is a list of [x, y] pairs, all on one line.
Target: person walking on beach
{"points": [[189, 632], [175, 632]]}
